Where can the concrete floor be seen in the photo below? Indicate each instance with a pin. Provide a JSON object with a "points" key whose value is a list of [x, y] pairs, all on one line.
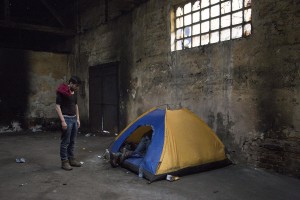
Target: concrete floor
{"points": [[40, 177]]}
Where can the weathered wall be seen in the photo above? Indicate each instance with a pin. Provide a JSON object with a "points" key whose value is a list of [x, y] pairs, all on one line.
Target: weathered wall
{"points": [[247, 90], [101, 44], [46, 72], [29, 81]]}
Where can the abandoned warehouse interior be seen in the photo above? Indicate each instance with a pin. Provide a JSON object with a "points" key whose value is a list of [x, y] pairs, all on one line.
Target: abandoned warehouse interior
{"points": [[235, 63]]}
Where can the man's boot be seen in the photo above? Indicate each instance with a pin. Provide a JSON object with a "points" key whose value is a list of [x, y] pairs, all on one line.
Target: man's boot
{"points": [[66, 165], [114, 159], [74, 163]]}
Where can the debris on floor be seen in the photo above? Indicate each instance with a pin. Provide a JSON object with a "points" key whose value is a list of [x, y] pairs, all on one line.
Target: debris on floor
{"points": [[106, 155], [16, 126], [172, 178], [20, 160], [5, 129], [13, 127], [36, 128], [104, 131]]}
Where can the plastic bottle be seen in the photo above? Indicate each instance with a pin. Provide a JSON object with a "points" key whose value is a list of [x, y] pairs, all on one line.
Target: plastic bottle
{"points": [[140, 172], [106, 154]]}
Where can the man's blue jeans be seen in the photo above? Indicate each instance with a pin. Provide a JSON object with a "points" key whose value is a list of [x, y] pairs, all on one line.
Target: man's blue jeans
{"points": [[68, 138], [142, 147]]}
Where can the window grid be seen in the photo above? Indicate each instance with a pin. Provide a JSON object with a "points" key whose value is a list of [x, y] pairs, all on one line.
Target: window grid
{"points": [[186, 28]]}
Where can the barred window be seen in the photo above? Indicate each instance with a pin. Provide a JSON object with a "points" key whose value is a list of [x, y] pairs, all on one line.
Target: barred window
{"points": [[205, 22]]}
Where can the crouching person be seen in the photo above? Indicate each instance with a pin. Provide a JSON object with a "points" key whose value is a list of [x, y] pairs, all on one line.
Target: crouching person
{"points": [[140, 151]]}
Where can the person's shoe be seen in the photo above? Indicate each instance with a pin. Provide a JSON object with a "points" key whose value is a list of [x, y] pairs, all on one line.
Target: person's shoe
{"points": [[74, 163], [66, 165], [114, 159]]}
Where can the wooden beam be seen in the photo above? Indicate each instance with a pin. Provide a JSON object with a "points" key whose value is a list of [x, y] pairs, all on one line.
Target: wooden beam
{"points": [[6, 10], [53, 12], [38, 28]]}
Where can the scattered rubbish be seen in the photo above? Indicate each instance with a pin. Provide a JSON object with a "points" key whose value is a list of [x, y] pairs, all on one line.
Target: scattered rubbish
{"points": [[4, 129], [83, 148], [106, 155], [14, 127], [20, 160], [64, 184], [116, 134], [172, 178], [81, 162], [87, 135], [22, 184], [104, 131], [36, 128]]}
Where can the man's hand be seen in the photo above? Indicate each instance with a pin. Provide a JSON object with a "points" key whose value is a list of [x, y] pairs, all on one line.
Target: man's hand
{"points": [[78, 123], [64, 125]]}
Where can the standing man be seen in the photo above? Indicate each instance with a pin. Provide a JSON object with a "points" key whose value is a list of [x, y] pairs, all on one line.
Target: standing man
{"points": [[68, 113]]}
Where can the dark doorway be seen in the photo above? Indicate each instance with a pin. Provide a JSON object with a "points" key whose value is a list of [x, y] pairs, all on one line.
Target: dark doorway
{"points": [[104, 101], [14, 81]]}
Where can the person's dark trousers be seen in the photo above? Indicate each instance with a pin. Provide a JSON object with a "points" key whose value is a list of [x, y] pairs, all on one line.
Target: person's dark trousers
{"points": [[68, 138]]}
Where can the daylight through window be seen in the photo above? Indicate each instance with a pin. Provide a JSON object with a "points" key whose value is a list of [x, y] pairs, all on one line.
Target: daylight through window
{"points": [[205, 22]]}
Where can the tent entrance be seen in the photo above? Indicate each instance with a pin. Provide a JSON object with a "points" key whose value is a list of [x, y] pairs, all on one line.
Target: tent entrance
{"points": [[133, 142], [138, 133], [137, 144]]}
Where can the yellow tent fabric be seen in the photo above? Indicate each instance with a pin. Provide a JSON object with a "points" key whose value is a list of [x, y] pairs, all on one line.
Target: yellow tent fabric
{"points": [[188, 142]]}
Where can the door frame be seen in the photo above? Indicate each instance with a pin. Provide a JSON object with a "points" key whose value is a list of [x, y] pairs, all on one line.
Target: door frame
{"points": [[117, 78]]}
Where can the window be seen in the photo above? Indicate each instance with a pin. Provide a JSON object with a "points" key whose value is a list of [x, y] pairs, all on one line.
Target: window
{"points": [[205, 22]]}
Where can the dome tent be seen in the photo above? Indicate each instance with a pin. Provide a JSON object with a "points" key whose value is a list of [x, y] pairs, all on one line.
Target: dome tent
{"points": [[181, 144]]}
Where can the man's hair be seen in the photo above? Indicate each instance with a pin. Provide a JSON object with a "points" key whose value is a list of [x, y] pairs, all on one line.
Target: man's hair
{"points": [[75, 80]]}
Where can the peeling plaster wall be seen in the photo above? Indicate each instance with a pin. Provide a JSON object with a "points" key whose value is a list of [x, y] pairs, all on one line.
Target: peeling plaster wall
{"points": [[33, 78], [46, 72], [247, 89]]}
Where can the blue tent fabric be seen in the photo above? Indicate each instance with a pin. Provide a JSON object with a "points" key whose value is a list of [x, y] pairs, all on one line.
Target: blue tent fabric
{"points": [[155, 119]]}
